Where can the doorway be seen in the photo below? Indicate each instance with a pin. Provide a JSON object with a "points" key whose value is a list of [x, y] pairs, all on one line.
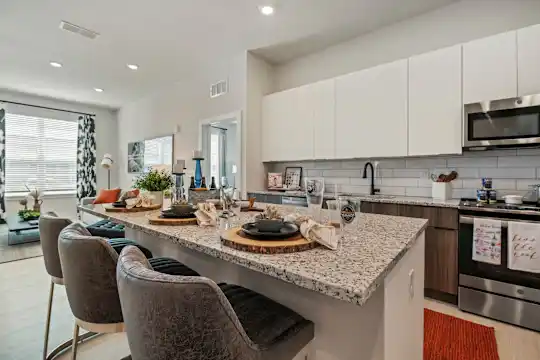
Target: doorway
{"points": [[220, 142]]}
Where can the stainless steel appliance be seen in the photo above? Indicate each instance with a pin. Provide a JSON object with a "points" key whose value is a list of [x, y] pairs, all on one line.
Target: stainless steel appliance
{"points": [[295, 201], [492, 290], [502, 123]]}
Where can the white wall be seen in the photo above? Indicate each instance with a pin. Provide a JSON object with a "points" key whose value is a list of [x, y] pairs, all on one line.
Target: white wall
{"points": [[260, 76], [106, 138], [182, 104], [450, 25]]}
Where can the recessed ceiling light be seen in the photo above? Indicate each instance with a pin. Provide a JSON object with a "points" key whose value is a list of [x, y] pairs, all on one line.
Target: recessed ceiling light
{"points": [[132, 66], [55, 64], [98, 90], [266, 10]]}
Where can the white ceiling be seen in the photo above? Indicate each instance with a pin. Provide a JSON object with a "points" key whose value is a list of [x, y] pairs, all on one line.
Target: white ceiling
{"points": [[168, 39]]}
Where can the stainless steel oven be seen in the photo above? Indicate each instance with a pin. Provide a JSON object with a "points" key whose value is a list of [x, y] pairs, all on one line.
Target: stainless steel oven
{"points": [[491, 290], [503, 123]]}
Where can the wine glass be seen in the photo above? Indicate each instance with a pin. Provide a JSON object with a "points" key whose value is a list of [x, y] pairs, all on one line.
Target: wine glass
{"points": [[314, 195]]}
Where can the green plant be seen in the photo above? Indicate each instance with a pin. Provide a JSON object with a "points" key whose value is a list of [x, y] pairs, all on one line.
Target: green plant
{"points": [[28, 214], [154, 180]]}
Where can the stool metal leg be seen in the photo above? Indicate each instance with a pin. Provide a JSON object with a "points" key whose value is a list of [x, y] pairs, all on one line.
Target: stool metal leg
{"points": [[48, 322], [75, 342]]}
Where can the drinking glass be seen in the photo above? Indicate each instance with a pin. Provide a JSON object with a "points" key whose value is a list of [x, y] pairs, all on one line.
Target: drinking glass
{"points": [[334, 214], [349, 207], [314, 195]]}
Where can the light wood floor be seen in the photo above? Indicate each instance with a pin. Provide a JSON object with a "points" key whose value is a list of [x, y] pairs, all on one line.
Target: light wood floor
{"points": [[24, 287]]}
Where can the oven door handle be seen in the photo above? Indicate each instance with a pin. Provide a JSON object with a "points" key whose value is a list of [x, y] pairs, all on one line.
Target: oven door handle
{"points": [[504, 222]]}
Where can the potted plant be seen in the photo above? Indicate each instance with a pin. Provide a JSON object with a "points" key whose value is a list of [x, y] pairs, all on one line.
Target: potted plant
{"points": [[155, 183]]}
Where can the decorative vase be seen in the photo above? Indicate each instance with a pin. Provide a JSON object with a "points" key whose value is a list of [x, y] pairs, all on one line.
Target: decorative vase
{"points": [[37, 204], [158, 197]]}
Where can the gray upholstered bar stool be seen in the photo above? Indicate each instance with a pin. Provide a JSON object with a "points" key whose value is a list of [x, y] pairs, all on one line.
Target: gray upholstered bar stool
{"points": [[175, 317], [89, 268], [50, 226]]}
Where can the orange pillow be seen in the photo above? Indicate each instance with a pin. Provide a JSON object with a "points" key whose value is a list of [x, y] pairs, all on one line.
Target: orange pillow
{"points": [[106, 196]]}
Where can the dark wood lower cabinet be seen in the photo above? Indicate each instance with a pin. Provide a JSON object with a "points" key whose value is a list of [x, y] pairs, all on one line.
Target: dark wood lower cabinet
{"points": [[441, 269], [441, 254]]}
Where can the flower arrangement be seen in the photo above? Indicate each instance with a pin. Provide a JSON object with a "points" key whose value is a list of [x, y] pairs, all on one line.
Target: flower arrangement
{"points": [[154, 180]]}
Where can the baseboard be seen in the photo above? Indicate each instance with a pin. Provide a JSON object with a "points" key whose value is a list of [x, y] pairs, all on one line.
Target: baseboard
{"points": [[441, 296]]}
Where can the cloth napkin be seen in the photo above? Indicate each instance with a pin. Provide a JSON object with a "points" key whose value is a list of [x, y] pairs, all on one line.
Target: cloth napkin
{"points": [[143, 200], [206, 214], [313, 231], [524, 246]]}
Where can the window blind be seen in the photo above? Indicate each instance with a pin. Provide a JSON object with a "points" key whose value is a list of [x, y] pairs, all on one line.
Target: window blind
{"points": [[40, 152]]}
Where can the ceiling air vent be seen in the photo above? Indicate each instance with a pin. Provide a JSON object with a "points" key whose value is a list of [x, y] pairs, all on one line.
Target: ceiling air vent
{"points": [[218, 89], [76, 29]]}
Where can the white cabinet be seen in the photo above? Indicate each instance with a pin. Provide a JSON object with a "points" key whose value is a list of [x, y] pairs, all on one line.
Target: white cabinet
{"points": [[371, 112], [529, 61], [435, 109], [298, 124], [490, 68], [287, 126], [323, 104]]}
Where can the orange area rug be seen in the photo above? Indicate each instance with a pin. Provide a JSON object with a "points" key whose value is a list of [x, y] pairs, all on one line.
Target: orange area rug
{"points": [[449, 338]]}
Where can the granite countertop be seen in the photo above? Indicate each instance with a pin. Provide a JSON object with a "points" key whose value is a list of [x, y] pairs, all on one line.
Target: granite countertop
{"points": [[370, 250], [387, 199]]}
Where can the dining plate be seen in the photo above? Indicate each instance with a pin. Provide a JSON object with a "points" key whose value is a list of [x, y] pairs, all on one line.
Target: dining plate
{"points": [[287, 230]]}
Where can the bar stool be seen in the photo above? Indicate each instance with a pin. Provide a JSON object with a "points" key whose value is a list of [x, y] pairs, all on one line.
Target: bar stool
{"points": [[176, 317], [50, 226], [89, 267]]}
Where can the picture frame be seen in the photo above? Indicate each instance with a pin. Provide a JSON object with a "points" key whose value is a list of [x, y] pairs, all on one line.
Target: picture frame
{"points": [[293, 178], [275, 181], [135, 161]]}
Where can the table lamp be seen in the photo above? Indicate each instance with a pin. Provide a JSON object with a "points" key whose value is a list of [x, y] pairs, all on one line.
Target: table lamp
{"points": [[107, 162]]}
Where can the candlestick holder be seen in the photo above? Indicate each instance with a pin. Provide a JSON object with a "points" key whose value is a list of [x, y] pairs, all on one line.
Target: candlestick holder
{"points": [[198, 172]]}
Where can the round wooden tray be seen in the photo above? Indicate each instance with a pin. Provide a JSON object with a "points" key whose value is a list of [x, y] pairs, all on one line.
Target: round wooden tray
{"points": [[110, 208], [236, 239], [251, 209], [157, 220]]}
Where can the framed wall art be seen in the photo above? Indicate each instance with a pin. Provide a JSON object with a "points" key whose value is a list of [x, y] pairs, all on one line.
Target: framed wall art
{"points": [[275, 181], [135, 159], [293, 178]]}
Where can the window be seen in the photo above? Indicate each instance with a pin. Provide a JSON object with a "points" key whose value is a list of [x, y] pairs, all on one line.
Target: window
{"points": [[40, 152]]}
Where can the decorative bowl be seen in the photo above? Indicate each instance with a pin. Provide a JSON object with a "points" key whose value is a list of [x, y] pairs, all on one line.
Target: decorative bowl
{"points": [[269, 225], [182, 209]]}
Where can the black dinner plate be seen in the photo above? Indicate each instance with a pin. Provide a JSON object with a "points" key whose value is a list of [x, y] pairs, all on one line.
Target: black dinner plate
{"points": [[287, 230], [167, 214]]}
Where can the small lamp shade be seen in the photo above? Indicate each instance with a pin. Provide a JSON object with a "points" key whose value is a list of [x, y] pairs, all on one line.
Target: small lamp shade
{"points": [[107, 161]]}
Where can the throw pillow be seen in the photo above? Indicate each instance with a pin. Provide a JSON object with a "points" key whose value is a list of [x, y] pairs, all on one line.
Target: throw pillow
{"points": [[107, 196]]}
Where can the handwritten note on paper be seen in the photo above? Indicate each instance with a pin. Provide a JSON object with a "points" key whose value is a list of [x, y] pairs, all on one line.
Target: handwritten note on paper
{"points": [[524, 246], [487, 241]]}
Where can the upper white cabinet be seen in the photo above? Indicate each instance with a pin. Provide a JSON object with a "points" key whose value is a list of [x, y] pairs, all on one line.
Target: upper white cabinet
{"points": [[371, 112], [435, 108], [529, 61], [298, 124], [274, 112], [490, 68], [323, 104]]}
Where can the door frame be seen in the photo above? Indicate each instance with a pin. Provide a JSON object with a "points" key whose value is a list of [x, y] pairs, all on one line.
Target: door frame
{"points": [[240, 177]]}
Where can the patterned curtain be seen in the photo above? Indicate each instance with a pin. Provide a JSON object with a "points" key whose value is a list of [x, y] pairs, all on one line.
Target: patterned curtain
{"points": [[86, 158], [2, 160]]}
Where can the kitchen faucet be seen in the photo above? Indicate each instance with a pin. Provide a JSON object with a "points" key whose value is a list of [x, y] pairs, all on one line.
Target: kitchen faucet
{"points": [[372, 189]]}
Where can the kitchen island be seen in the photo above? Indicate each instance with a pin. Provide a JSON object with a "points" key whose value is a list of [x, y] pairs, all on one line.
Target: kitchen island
{"points": [[366, 298]]}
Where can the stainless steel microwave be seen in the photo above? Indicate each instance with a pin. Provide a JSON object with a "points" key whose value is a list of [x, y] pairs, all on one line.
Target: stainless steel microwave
{"points": [[504, 123]]}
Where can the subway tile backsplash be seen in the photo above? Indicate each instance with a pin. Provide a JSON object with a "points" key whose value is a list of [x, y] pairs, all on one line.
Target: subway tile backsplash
{"points": [[512, 172]]}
